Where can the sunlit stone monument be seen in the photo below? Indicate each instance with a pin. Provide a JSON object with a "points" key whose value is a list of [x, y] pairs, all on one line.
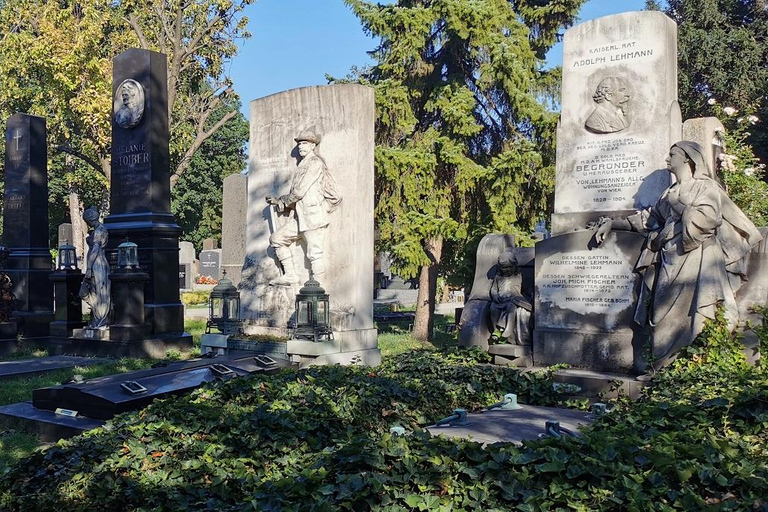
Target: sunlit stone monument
{"points": [[619, 118], [332, 217]]}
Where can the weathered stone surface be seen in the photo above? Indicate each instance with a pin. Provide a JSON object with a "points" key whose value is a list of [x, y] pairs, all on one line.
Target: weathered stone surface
{"points": [[344, 116], [619, 116], [585, 302], [209, 243], [708, 133], [233, 226]]}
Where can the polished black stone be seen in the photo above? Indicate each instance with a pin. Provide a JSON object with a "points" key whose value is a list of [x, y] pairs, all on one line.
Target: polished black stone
{"points": [[25, 223], [140, 191]]}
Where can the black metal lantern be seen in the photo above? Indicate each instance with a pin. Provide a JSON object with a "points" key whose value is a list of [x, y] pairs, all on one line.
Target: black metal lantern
{"points": [[127, 255], [67, 259], [313, 312], [224, 307]]}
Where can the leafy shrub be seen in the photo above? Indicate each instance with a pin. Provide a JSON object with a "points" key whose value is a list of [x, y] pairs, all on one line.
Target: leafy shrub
{"points": [[196, 297], [318, 439]]}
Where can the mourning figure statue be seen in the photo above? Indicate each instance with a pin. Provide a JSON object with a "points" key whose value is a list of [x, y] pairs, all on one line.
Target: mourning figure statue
{"points": [[509, 310], [314, 194], [129, 104], [7, 298], [610, 114], [694, 256], [95, 289]]}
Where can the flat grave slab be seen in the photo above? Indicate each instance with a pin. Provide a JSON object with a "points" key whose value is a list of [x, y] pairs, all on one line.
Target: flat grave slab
{"points": [[47, 424], [40, 365], [500, 426]]}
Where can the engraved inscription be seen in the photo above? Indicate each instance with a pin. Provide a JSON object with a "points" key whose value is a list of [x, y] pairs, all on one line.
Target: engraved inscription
{"points": [[589, 281]]}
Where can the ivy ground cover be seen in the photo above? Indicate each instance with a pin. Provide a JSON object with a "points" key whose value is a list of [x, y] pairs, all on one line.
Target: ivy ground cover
{"points": [[319, 440]]}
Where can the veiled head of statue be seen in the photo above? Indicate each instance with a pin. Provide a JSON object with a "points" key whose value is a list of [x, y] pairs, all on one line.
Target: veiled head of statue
{"points": [[695, 153]]}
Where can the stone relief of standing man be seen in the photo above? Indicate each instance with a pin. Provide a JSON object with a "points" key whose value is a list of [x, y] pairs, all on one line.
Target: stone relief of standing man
{"points": [[313, 195]]}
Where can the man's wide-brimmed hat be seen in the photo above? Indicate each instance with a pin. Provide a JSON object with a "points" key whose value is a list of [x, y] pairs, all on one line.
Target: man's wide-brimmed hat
{"points": [[309, 136]]}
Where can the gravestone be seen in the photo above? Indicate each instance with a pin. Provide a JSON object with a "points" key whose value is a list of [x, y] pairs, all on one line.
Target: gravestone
{"points": [[234, 214], [25, 223], [140, 195], [65, 235], [209, 243], [187, 265], [342, 116], [619, 118], [210, 263]]}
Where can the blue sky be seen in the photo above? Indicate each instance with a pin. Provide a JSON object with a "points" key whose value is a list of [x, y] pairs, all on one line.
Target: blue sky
{"points": [[296, 43]]}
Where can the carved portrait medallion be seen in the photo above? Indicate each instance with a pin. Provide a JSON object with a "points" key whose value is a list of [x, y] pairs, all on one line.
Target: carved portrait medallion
{"points": [[611, 112], [128, 106]]}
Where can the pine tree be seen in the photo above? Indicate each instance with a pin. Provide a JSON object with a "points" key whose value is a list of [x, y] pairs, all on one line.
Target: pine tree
{"points": [[465, 138]]}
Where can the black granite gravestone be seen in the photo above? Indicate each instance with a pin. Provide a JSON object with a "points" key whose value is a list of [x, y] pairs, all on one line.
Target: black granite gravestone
{"points": [[210, 263], [140, 186], [25, 223]]}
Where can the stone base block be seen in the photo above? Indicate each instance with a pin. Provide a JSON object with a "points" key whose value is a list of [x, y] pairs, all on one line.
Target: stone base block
{"points": [[216, 343], [273, 349], [281, 332], [156, 347], [49, 426], [311, 348], [599, 385], [34, 325], [618, 352], [362, 357], [91, 334], [65, 328], [130, 332], [511, 355]]}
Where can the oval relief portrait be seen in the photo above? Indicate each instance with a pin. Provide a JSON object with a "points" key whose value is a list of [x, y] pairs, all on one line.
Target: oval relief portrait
{"points": [[129, 104], [611, 111]]}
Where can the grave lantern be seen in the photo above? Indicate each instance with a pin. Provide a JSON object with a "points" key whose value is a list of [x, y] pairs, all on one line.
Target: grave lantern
{"points": [[127, 255], [67, 259], [128, 320], [224, 307], [66, 279], [313, 312]]}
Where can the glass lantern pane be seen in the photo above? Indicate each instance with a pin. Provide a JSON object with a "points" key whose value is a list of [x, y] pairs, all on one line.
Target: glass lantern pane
{"points": [[217, 308], [322, 310], [303, 316], [234, 309]]}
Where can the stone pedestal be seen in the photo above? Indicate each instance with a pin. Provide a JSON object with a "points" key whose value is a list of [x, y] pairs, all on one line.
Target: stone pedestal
{"points": [[128, 303], [25, 223], [585, 302], [69, 306], [140, 197], [343, 115]]}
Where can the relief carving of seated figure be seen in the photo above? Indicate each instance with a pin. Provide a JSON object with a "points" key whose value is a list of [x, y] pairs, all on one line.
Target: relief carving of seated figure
{"points": [[510, 311]]}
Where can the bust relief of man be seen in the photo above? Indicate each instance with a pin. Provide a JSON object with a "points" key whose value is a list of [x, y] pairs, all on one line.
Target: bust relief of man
{"points": [[129, 104], [610, 114]]}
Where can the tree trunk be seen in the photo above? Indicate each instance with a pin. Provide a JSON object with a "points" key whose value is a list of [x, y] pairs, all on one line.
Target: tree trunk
{"points": [[425, 302], [79, 229]]}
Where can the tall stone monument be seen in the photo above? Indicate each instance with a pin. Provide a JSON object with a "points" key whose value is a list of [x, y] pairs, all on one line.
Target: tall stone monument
{"points": [[25, 223], [140, 195], [234, 214], [619, 118], [339, 120]]}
